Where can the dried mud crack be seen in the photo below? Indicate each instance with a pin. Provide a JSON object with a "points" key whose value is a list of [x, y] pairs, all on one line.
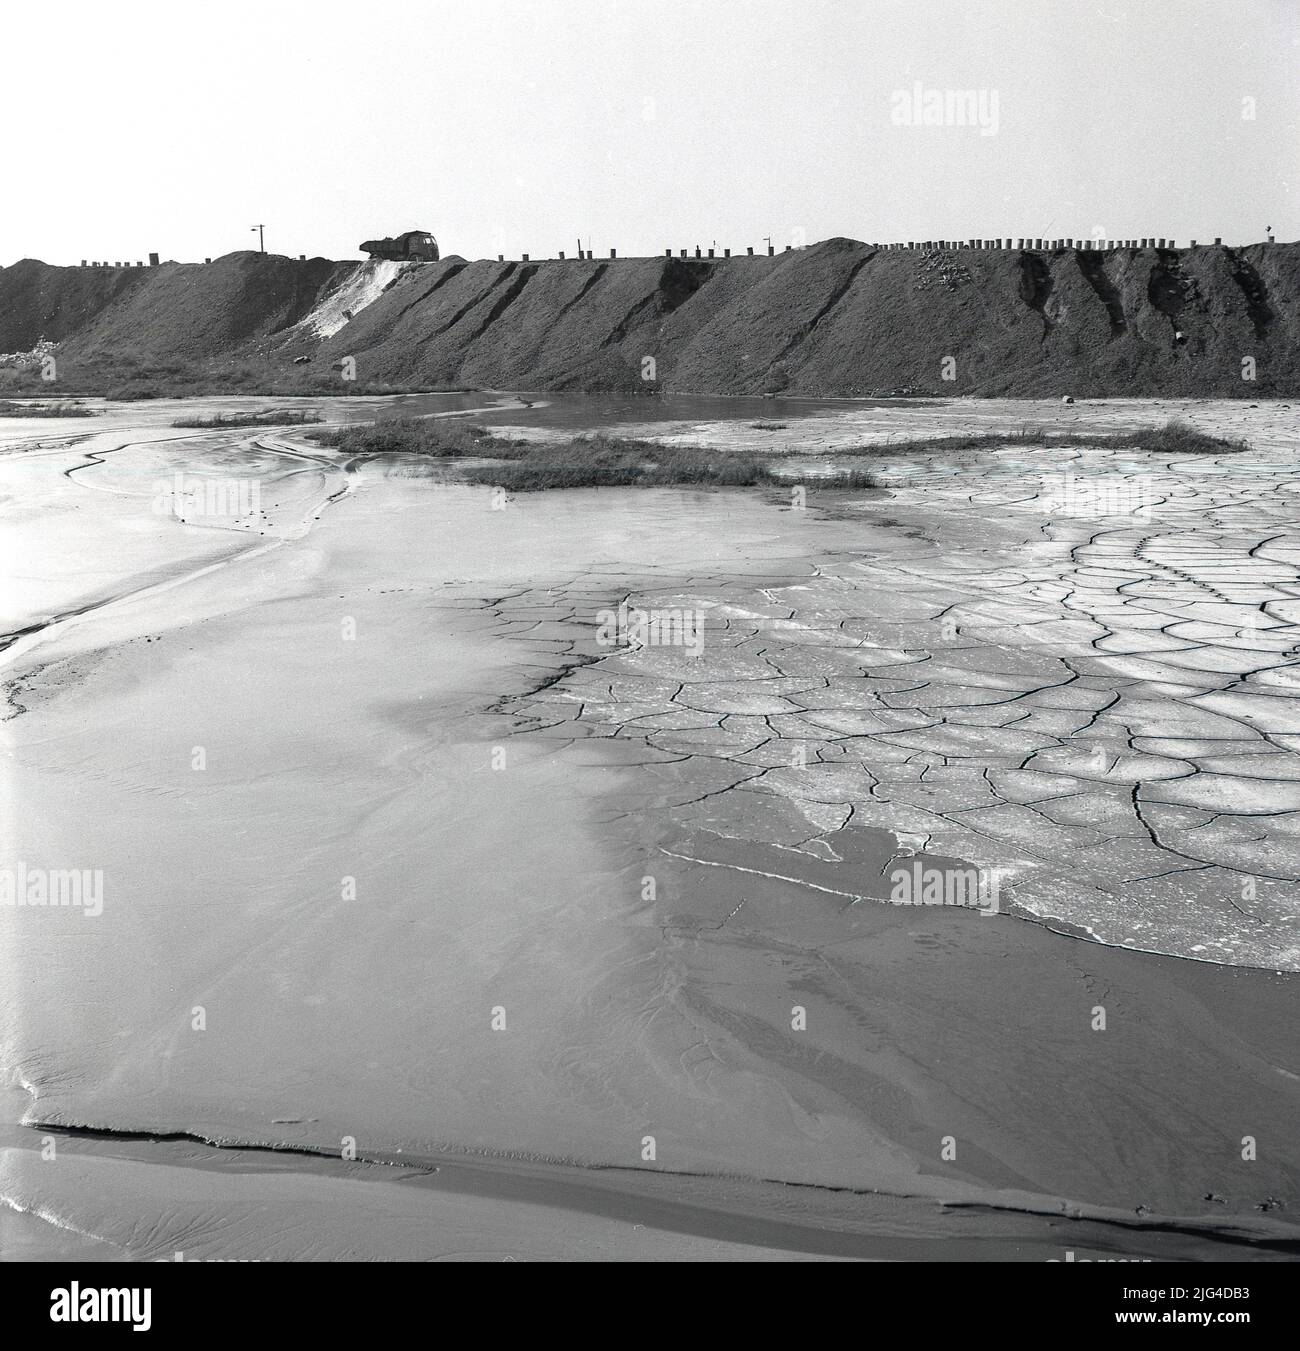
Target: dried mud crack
{"points": [[1097, 702]]}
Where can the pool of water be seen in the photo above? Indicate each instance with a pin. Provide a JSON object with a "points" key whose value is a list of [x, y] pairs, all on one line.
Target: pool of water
{"points": [[582, 411]]}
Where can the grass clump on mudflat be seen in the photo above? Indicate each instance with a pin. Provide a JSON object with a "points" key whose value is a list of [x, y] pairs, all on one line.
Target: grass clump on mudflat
{"points": [[599, 461], [441, 438], [10, 409], [266, 417], [1174, 438], [581, 462], [621, 462]]}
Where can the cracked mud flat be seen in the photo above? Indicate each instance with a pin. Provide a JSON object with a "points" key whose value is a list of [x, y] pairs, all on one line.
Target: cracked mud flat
{"points": [[1103, 710], [944, 674]]}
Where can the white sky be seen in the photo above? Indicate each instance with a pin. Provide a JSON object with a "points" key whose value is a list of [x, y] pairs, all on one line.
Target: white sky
{"points": [[509, 126]]}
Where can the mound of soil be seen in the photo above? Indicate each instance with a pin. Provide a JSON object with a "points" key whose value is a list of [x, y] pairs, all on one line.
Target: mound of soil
{"points": [[838, 318]]}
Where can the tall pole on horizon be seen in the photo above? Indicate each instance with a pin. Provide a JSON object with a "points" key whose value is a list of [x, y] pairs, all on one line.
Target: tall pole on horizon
{"points": [[261, 240]]}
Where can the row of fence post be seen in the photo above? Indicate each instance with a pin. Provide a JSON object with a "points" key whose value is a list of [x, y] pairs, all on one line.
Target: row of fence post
{"points": [[1022, 244], [1033, 245], [153, 262], [1043, 245], [700, 252]]}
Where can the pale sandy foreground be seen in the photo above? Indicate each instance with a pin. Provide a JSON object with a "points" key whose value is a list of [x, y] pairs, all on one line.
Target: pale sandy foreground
{"points": [[381, 878]]}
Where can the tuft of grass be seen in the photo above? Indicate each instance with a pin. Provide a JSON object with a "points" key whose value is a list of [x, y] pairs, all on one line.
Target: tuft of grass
{"points": [[441, 438], [854, 479], [64, 409], [582, 462], [267, 417], [622, 462], [1173, 438], [769, 426], [602, 461]]}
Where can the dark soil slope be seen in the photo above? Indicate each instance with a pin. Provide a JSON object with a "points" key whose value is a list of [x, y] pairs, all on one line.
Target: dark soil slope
{"points": [[844, 318], [838, 318], [187, 310], [37, 301]]}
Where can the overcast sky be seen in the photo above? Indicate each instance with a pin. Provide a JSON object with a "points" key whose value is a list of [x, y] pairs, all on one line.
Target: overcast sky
{"points": [[509, 126]]}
